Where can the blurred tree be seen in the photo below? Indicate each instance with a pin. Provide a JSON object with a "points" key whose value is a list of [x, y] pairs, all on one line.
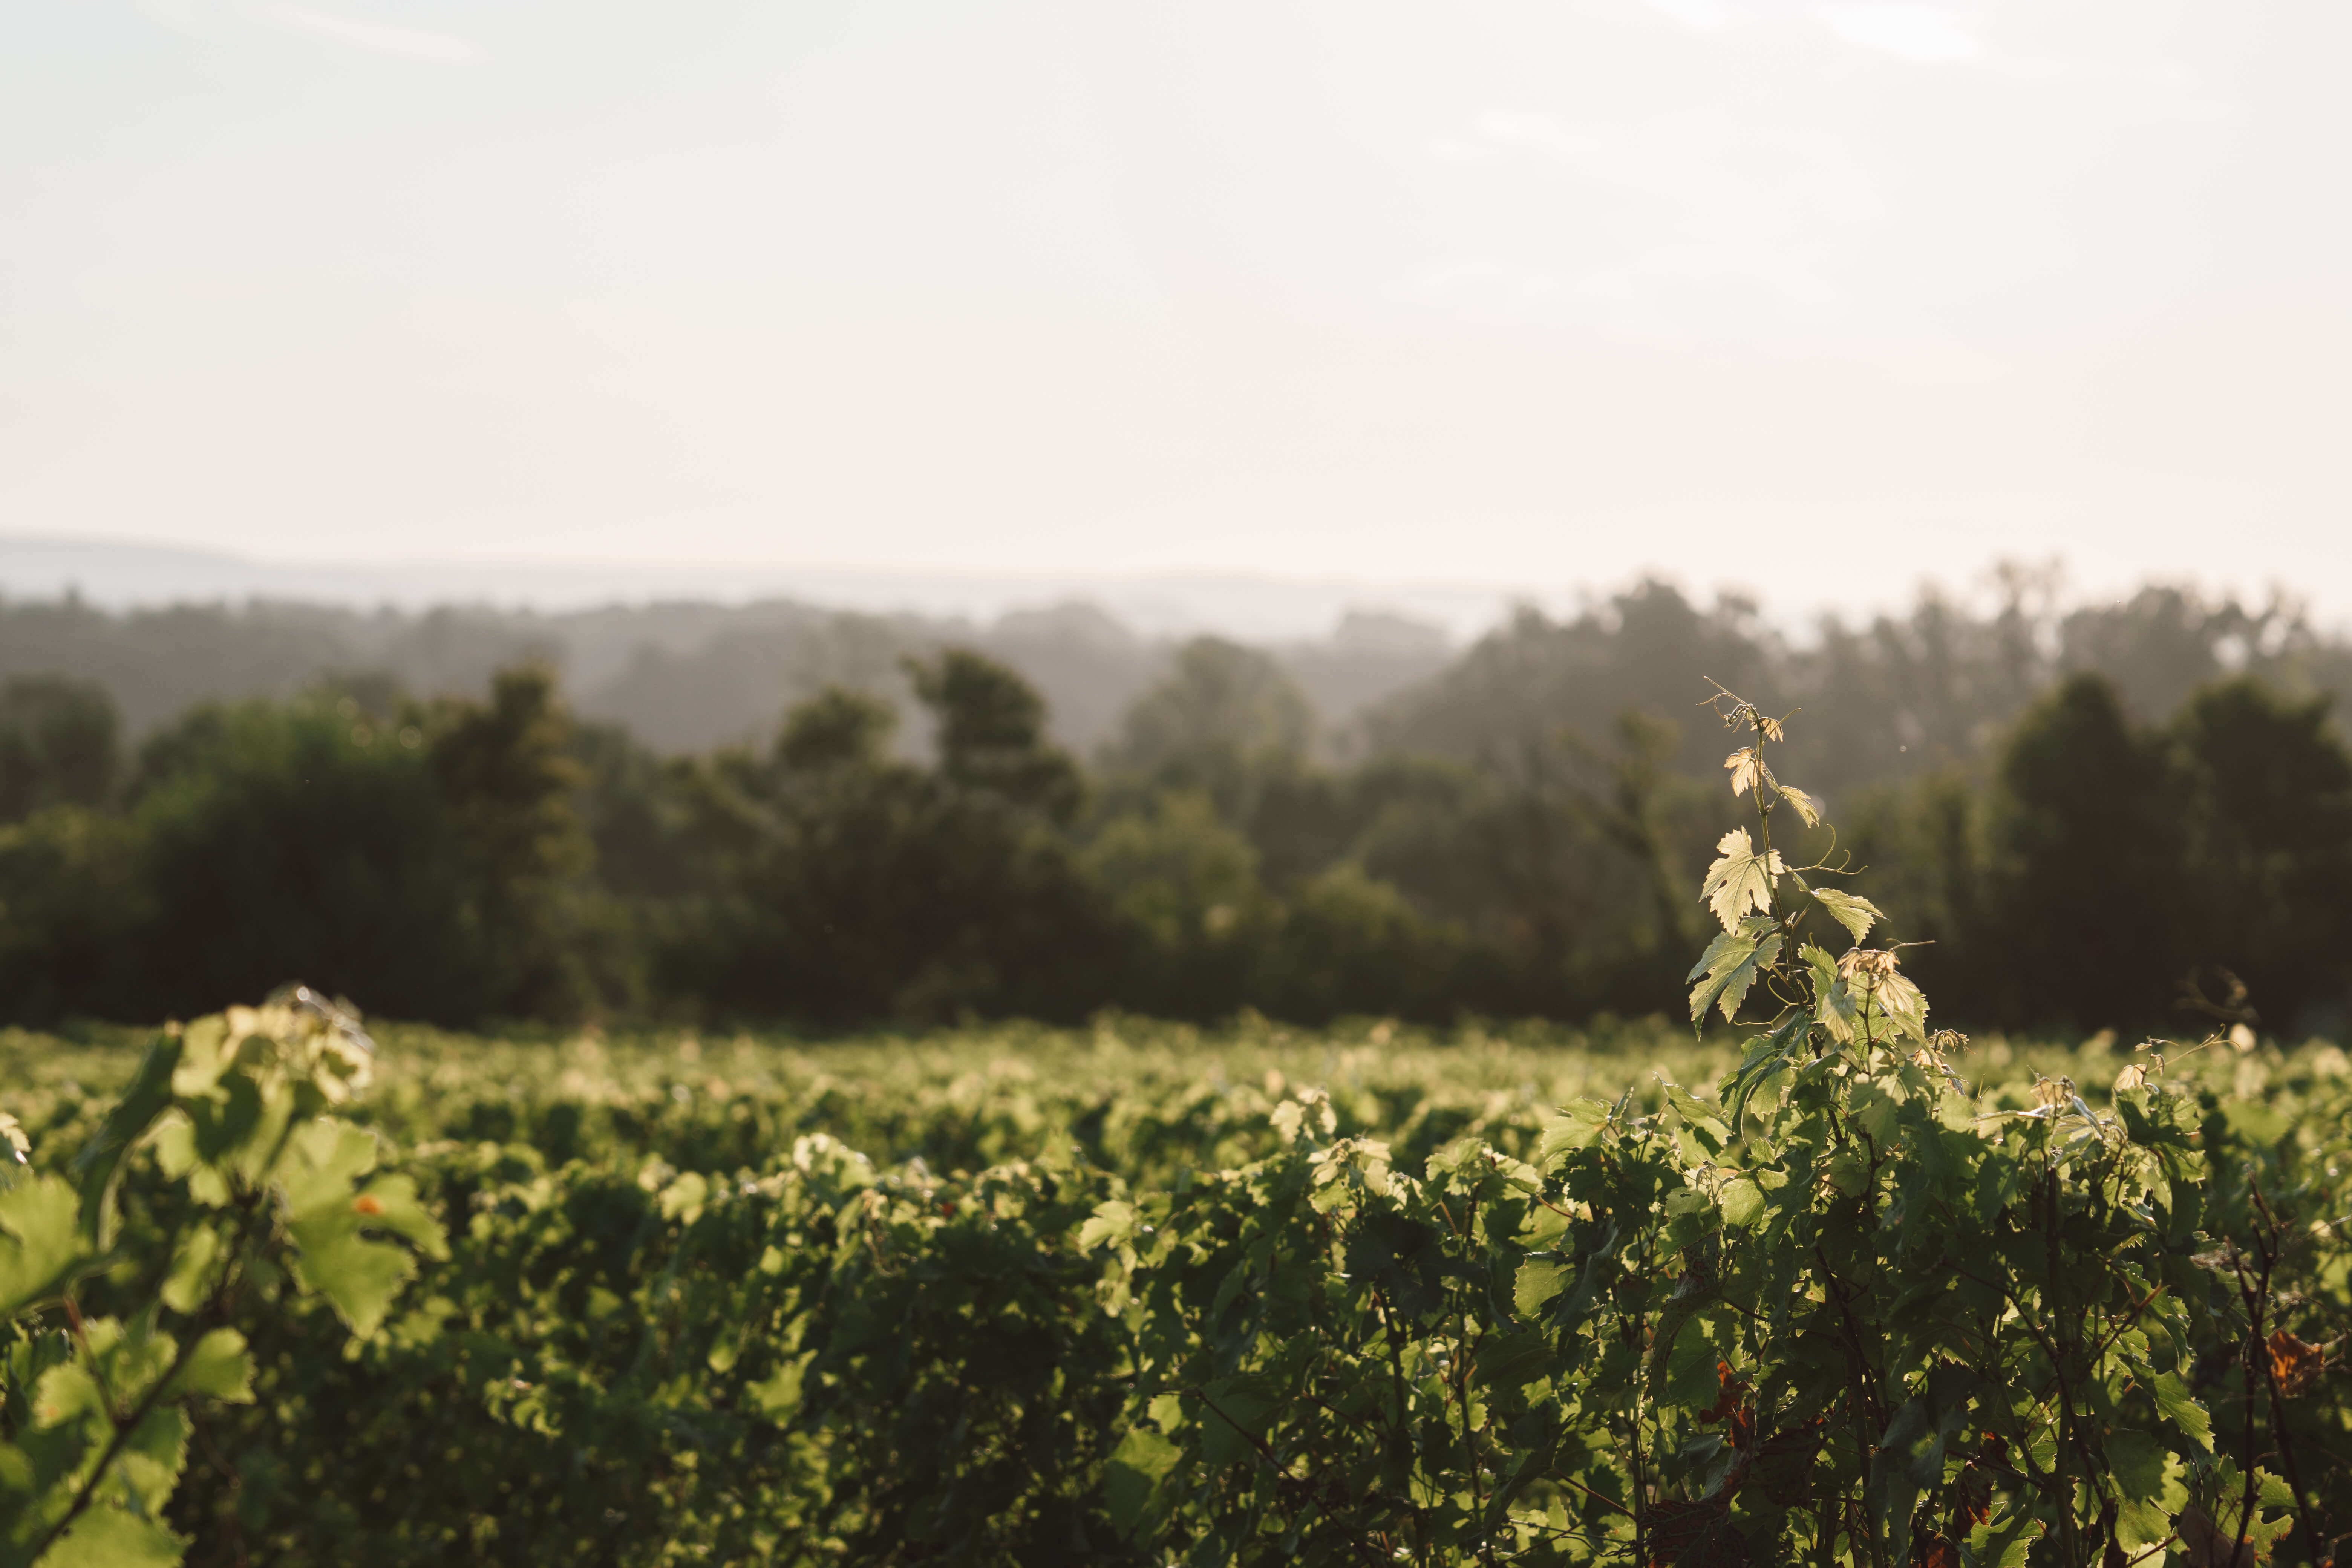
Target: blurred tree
{"points": [[1644, 649], [57, 743], [1226, 722], [1181, 889], [1349, 942], [285, 842], [988, 729], [836, 729], [2157, 647], [1556, 863], [508, 783], [1924, 845], [428, 860], [2270, 857], [72, 902], [2091, 836], [846, 884]]}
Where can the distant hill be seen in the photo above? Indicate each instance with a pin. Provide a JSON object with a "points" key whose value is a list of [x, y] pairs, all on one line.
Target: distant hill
{"points": [[120, 575], [682, 676]]}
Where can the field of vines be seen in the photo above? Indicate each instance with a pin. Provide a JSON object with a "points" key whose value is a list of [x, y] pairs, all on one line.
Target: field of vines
{"points": [[1821, 1284]]}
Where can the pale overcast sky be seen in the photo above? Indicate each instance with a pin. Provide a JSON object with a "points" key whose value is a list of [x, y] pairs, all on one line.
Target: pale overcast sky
{"points": [[1819, 299]]}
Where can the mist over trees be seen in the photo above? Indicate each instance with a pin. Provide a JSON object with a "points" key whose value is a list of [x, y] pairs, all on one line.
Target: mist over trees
{"points": [[2135, 814], [682, 677]]}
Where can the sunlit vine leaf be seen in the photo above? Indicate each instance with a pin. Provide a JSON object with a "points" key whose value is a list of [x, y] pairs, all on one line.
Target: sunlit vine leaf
{"points": [[1856, 913], [1806, 806], [1730, 965], [1740, 880], [1748, 770]]}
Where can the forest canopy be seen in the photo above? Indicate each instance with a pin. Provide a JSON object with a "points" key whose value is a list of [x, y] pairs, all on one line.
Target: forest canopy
{"points": [[2108, 816]]}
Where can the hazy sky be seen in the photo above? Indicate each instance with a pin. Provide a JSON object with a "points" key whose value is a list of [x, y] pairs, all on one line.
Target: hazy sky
{"points": [[1816, 299]]}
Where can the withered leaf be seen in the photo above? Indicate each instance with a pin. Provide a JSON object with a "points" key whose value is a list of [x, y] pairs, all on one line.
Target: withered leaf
{"points": [[2294, 1362]]}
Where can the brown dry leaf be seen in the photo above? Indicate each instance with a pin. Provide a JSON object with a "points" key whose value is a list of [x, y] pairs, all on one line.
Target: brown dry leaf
{"points": [[1730, 1404], [2294, 1362], [1857, 964], [1941, 1553], [1729, 1388]]}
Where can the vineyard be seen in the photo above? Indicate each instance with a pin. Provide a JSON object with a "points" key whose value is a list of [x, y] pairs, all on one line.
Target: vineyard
{"points": [[1820, 1284]]}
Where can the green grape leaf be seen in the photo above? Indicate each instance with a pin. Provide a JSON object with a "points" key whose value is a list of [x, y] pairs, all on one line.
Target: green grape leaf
{"points": [[114, 1538], [1136, 1468], [327, 1217], [193, 1273], [1697, 1111], [2007, 1544], [218, 1368], [1539, 1280], [1740, 879], [1856, 913], [152, 1458], [1743, 1203], [1111, 1222], [2181, 1408], [1805, 805], [1514, 1360], [2153, 1488], [1833, 1004], [1579, 1125], [389, 1204], [99, 1163], [1235, 1410], [42, 1245], [779, 1394], [1902, 1004], [360, 1278], [1730, 965]]}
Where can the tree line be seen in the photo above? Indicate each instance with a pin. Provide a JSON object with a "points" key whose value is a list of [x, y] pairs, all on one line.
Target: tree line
{"points": [[2134, 815]]}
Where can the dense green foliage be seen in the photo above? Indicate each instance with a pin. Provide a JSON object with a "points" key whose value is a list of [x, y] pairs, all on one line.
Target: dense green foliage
{"points": [[1873, 1296], [740, 1301]]}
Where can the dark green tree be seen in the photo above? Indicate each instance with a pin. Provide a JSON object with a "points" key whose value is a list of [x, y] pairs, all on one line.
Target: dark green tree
{"points": [[58, 743], [285, 842], [508, 783], [846, 884], [2270, 857], [989, 728], [1226, 722], [2092, 849]]}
